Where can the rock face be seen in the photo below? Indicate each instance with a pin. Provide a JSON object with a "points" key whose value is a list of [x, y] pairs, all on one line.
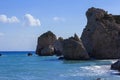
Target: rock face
{"points": [[59, 46], [73, 49], [45, 44], [101, 36], [47, 51], [116, 66]]}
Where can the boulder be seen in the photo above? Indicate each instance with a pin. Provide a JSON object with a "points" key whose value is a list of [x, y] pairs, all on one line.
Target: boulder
{"points": [[44, 42], [101, 36], [61, 58], [74, 50], [98, 79], [29, 54], [116, 66]]}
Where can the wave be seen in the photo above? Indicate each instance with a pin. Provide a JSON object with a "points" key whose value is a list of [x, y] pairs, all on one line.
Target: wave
{"points": [[90, 71]]}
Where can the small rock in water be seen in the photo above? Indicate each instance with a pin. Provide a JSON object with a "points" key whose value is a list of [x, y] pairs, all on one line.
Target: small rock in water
{"points": [[98, 79], [29, 54], [116, 66], [0, 54], [61, 58]]}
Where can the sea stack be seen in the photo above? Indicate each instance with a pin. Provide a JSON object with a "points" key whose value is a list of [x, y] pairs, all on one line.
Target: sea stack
{"points": [[73, 49], [45, 44], [101, 36]]}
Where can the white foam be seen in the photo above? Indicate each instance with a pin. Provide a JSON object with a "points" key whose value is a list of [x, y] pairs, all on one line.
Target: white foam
{"points": [[89, 71], [113, 61], [97, 70]]}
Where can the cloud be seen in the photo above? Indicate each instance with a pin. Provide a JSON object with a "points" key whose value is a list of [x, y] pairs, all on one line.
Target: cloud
{"points": [[1, 34], [58, 19], [31, 21], [5, 19]]}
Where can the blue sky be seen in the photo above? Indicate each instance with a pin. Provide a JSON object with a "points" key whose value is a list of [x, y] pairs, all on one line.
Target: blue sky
{"points": [[22, 21]]}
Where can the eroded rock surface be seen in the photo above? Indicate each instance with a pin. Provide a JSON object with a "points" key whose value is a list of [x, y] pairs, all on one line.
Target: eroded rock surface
{"points": [[73, 49], [45, 44], [101, 36]]}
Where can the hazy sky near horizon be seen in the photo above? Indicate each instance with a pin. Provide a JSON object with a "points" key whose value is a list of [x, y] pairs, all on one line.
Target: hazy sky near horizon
{"points": [[22, 21]]}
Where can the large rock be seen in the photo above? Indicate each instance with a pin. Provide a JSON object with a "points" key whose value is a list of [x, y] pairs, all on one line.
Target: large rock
{"points": [[116, 66], [73, 49], [101, 36], [44, 41]]}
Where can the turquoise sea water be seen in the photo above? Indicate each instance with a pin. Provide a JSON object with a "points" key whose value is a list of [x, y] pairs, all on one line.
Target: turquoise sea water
{"points": [[18, 66]]}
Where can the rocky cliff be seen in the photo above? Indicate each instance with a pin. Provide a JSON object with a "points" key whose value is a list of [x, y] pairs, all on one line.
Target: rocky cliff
{"points": [[101, 36]]}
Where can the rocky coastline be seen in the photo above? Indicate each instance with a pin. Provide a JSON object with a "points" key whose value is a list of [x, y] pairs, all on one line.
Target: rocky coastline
{"points": [[100, 39]]}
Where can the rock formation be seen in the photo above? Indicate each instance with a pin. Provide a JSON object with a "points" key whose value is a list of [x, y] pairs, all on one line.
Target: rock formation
{"points": [[73, 49], [101, 36], [100, 39], [45, 44], [116, 66], [58, 46]]}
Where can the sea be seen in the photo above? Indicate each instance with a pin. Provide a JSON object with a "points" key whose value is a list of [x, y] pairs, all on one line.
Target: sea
{"points": [[16, 65]]}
